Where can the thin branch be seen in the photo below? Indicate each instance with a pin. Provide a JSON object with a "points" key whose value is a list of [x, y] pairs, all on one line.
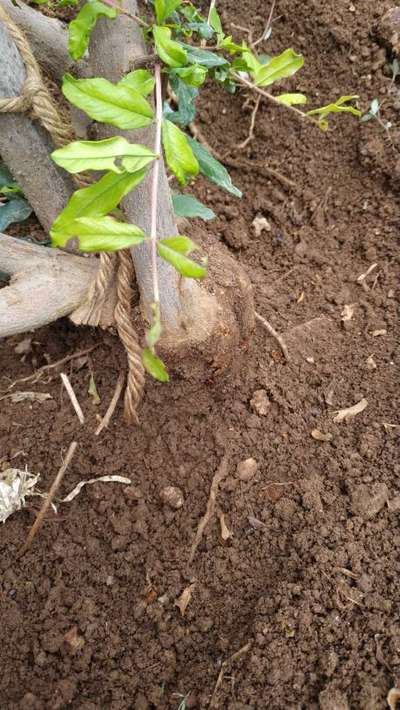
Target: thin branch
{"points": [[45, 368], [111, 407], [250, 137], [49, 498], [267, 26], [72, 396], [154, 190], [274, 334], [121, 10]]}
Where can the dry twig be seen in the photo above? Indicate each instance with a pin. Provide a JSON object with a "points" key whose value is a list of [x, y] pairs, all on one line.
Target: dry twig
{"points": [[45, 368], [220, 474], [72, 396], [111, 407], [252, 124], [49, 498], [242, 651], [274, 334]]}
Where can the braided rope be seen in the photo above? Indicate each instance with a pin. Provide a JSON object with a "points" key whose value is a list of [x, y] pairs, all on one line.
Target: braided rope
{"points": [[36, 99]]}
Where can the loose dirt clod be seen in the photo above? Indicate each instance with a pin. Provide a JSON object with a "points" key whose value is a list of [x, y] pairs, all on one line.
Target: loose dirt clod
{"points": [[333, 699], [260, 403], [172, 496], [367, 501], [260, 225]]}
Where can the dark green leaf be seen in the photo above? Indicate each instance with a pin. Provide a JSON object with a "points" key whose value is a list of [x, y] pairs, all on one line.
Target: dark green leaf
{"points": [[16, 210], [186, 96], [202, 28], [116, 104], [212, 168], [195, 55], [154, 366], [169, 51], [188, 206], [178, 152], [101, 155], [175, 251], [81, 27], [100, 234], [140, 79]]}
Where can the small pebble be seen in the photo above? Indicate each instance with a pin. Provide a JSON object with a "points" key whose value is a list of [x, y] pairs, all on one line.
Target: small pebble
{"points": [[247, 469], [172, 496]]}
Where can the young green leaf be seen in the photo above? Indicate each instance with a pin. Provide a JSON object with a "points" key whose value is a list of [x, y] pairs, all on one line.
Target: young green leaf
{"points": [[212, 168], [83, 24], [194, 75], [154, 332], [281, 67], [165, 8], [175, 250], [195, 55], [99, 234], [154, 366], [178, 152], [292, 99], [101, 155], [340, 106], [16, 210], [96, 200], [116, 104], [215, 22], [188, 206], [141, 80], [372, 112], [169, 51]]}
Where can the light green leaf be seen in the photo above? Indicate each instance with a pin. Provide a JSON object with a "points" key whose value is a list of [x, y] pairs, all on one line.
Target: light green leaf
{"points": [[215, 21], [281, 67], [96, 200], [81, 27], [100, 234], [140, 79], [103, 101], [178, 152], [292, 99], [169, 51], [194, 75], [101, 155], [337, 107], [175, 251], [195, 55], [154, 366], [188, 206], [154, 332], [165, 8], [212, 168]]}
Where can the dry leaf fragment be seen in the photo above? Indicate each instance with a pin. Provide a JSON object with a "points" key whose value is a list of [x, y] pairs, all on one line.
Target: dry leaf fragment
{"points": [[225, 532], [15, 486], [16, 397], [350, 412], [301, 298], [260, 225], [393, 698], [361, 279], [329, 397], [376, 333], [73, 640], [105, 479], [371, 364], [347, 312], [92, 390], [184, 599], [320, 436]]}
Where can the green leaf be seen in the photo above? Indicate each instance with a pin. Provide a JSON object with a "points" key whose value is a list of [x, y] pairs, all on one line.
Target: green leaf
{"points": [[169, 51], [153, 334], [103, 101], [175, 250], [154, 366], [96, 200], [178, 152], [202, 28], [292, 99], [195, 55], [188, 206], [165, 8], [101, 155], [194, 75], [81, 27], [281, 67], [92, 390], [215, 21], [140, 79], [16, 210], [186, 96], [213, 169], [100, 234], [337, 107]]}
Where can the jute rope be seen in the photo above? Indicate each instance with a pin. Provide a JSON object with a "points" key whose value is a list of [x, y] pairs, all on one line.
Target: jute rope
{"points": [[36, 100]]}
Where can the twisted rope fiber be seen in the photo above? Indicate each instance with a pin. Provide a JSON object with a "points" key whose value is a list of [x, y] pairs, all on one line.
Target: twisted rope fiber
{"points": [[36, 99]]}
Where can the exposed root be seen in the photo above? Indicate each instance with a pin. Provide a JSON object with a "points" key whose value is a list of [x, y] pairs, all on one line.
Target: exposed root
{"points": [[111, 407], [242, 651], [220, 474], [250, 137], [71, 394], [279, 339], [35, 377]]}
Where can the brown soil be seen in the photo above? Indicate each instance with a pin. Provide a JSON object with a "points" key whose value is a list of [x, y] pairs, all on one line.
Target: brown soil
{"points": [[308, 582]]}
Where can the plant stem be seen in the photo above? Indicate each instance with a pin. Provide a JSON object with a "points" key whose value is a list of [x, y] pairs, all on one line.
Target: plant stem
{"points": [[125, 12], [273, 99], [154, 189], [212, 5]]}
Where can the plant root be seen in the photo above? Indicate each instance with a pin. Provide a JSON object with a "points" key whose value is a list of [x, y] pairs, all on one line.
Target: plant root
{"points": [[71, 394], [279, 339], [111, 407], [235, 656]]}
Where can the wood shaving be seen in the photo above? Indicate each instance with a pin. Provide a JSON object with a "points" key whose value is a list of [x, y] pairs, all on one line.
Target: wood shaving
{"points": [[377, 333], [350, 412], [225, 532], [16, 397], [185, 598], [320, 436], [90, 481]]}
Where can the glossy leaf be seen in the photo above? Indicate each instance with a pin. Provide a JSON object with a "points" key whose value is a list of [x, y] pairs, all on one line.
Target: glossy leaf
{"points": [[204, 57], [178, 153], [194, 75], [215, 21], [81, 27], [100, 234], [186, 96], [188, 206], [96, 200], [154, 366], [15, 210], [213, 169], [292, 99], [165, 8], [203, 29], [169, 51], [281, 67], [141, 80], [175, 250], [116, 104], [340, 106], [101, 155]]}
